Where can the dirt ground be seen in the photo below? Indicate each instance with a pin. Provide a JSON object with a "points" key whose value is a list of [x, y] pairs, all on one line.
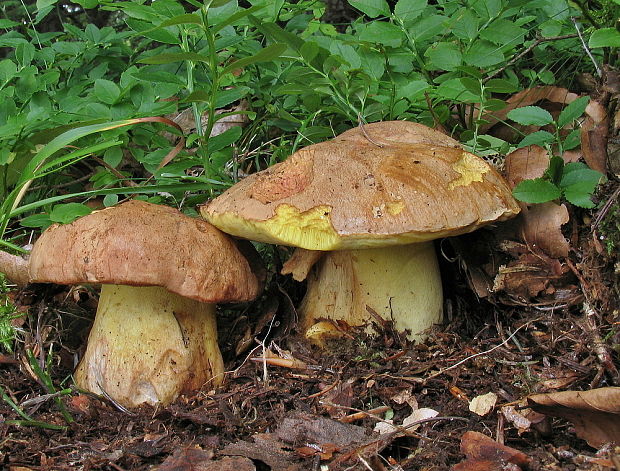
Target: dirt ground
{"points": [[320, 411]]}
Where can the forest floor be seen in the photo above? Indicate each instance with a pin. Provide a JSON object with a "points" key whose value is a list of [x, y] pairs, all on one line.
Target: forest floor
{"points": [[331, 407]]}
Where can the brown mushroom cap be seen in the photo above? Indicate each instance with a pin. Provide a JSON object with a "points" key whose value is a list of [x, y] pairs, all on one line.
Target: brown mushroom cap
{"points": [[388, 183], [143, 244]]}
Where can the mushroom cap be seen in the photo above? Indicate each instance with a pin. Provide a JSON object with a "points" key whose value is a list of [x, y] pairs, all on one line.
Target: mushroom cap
{"points": [[144, 244], [384, 184]]}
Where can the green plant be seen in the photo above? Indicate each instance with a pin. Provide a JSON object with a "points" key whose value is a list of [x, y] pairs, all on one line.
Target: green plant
{"points": [[8, 313], [52, 393], [573, 181]]}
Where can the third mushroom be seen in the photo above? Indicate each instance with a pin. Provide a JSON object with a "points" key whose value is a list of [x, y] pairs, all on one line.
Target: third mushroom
{"points": [[366, 207]]}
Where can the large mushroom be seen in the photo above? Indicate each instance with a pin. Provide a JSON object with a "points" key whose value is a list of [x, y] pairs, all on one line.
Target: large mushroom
{"points": [[154, 335], [374, 198]]}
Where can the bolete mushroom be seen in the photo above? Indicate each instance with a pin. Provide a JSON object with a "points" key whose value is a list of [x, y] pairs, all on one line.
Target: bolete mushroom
{"points": [[375, 198], [154, 335]]}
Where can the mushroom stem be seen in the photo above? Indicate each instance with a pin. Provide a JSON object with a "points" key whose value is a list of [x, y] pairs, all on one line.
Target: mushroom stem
{"points": [[149, 345], [400, 283]]}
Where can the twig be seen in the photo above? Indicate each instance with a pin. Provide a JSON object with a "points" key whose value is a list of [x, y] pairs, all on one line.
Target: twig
{"points": [[600, 215], [361, 126], [586, 48], [527, 51], [486, 352], [598, 345]]}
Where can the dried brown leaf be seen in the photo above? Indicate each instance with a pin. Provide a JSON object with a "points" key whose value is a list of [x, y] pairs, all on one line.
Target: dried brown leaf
{"points": [[526, 163], [483, 404], [595, 413], [541, 228], [594, 131], [267, 448], [482, 453], [188, 459]]}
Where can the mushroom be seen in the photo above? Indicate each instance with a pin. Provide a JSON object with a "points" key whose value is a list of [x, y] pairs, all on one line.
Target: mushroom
{"points": [[373, 198], [154, 335]]}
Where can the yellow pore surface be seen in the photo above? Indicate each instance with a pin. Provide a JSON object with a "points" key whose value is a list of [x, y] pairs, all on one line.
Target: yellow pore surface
{"points": [[312, 230]]}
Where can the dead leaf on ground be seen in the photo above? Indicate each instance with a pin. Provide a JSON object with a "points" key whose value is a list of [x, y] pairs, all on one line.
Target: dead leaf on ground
{"points": [[266, 447], [187, 459], [483, 404], [528, 277], [526, 163], [595, 413], [482, 453], [521, 423], [594, 131], [541, 227], [416, 416], [307, 428]]}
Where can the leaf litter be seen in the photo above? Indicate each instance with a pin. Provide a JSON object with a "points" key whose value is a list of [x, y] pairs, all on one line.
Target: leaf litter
{"points": [[531, 311]]}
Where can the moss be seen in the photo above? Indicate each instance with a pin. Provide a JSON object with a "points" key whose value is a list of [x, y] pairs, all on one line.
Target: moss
{"points": [[610, 231]]}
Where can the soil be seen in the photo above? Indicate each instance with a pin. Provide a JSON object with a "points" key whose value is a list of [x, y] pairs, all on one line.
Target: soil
{"points": [[323, 411]]}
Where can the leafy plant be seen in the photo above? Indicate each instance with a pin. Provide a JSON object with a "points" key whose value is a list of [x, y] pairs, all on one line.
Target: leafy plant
{"points": [[8, 313], [574, 181]]}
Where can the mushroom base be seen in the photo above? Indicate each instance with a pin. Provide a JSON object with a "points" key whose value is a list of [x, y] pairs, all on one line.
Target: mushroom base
{"points": [[148, 345], [399, 283]]}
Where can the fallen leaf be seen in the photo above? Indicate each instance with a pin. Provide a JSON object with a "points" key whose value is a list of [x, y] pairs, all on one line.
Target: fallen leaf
{"points": [[517, 419], [416, 416], [187, 459], [483, 404], [595, 414], [267, 448], [482, 453], [306, 428], [541, 227], [594, 131], [526, 163]]}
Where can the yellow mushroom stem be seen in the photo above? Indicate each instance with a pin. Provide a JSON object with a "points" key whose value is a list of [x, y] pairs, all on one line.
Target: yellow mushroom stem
{"points": [[400, 283], [148, 345]]}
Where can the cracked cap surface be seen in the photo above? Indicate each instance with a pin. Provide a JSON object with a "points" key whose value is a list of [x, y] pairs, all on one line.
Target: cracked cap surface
{"points": [[144, 244], [389, 183]]}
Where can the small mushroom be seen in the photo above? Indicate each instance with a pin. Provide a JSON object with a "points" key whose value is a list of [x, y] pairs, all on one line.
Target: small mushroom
{"points": [[154, 335], [373, 198]]}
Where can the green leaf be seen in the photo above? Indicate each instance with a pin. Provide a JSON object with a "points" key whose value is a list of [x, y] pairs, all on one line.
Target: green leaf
{"points": [[555, 169], [225, 139], [41, 4], [530, 115], [605, 37], [189, 18], [409, 10], [88, 4], [503, 32], [454, 89], [573, 139], [573, 111], [6, 24], [501, 86], [371, 8], [537, 190], [266, 54], [68, 212], [107, 91], [380, 32], [576, 172], [579, 194], [539, 138], [464, 24], [37, 220], [483, 53], [170, 57], [443, 56]]}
